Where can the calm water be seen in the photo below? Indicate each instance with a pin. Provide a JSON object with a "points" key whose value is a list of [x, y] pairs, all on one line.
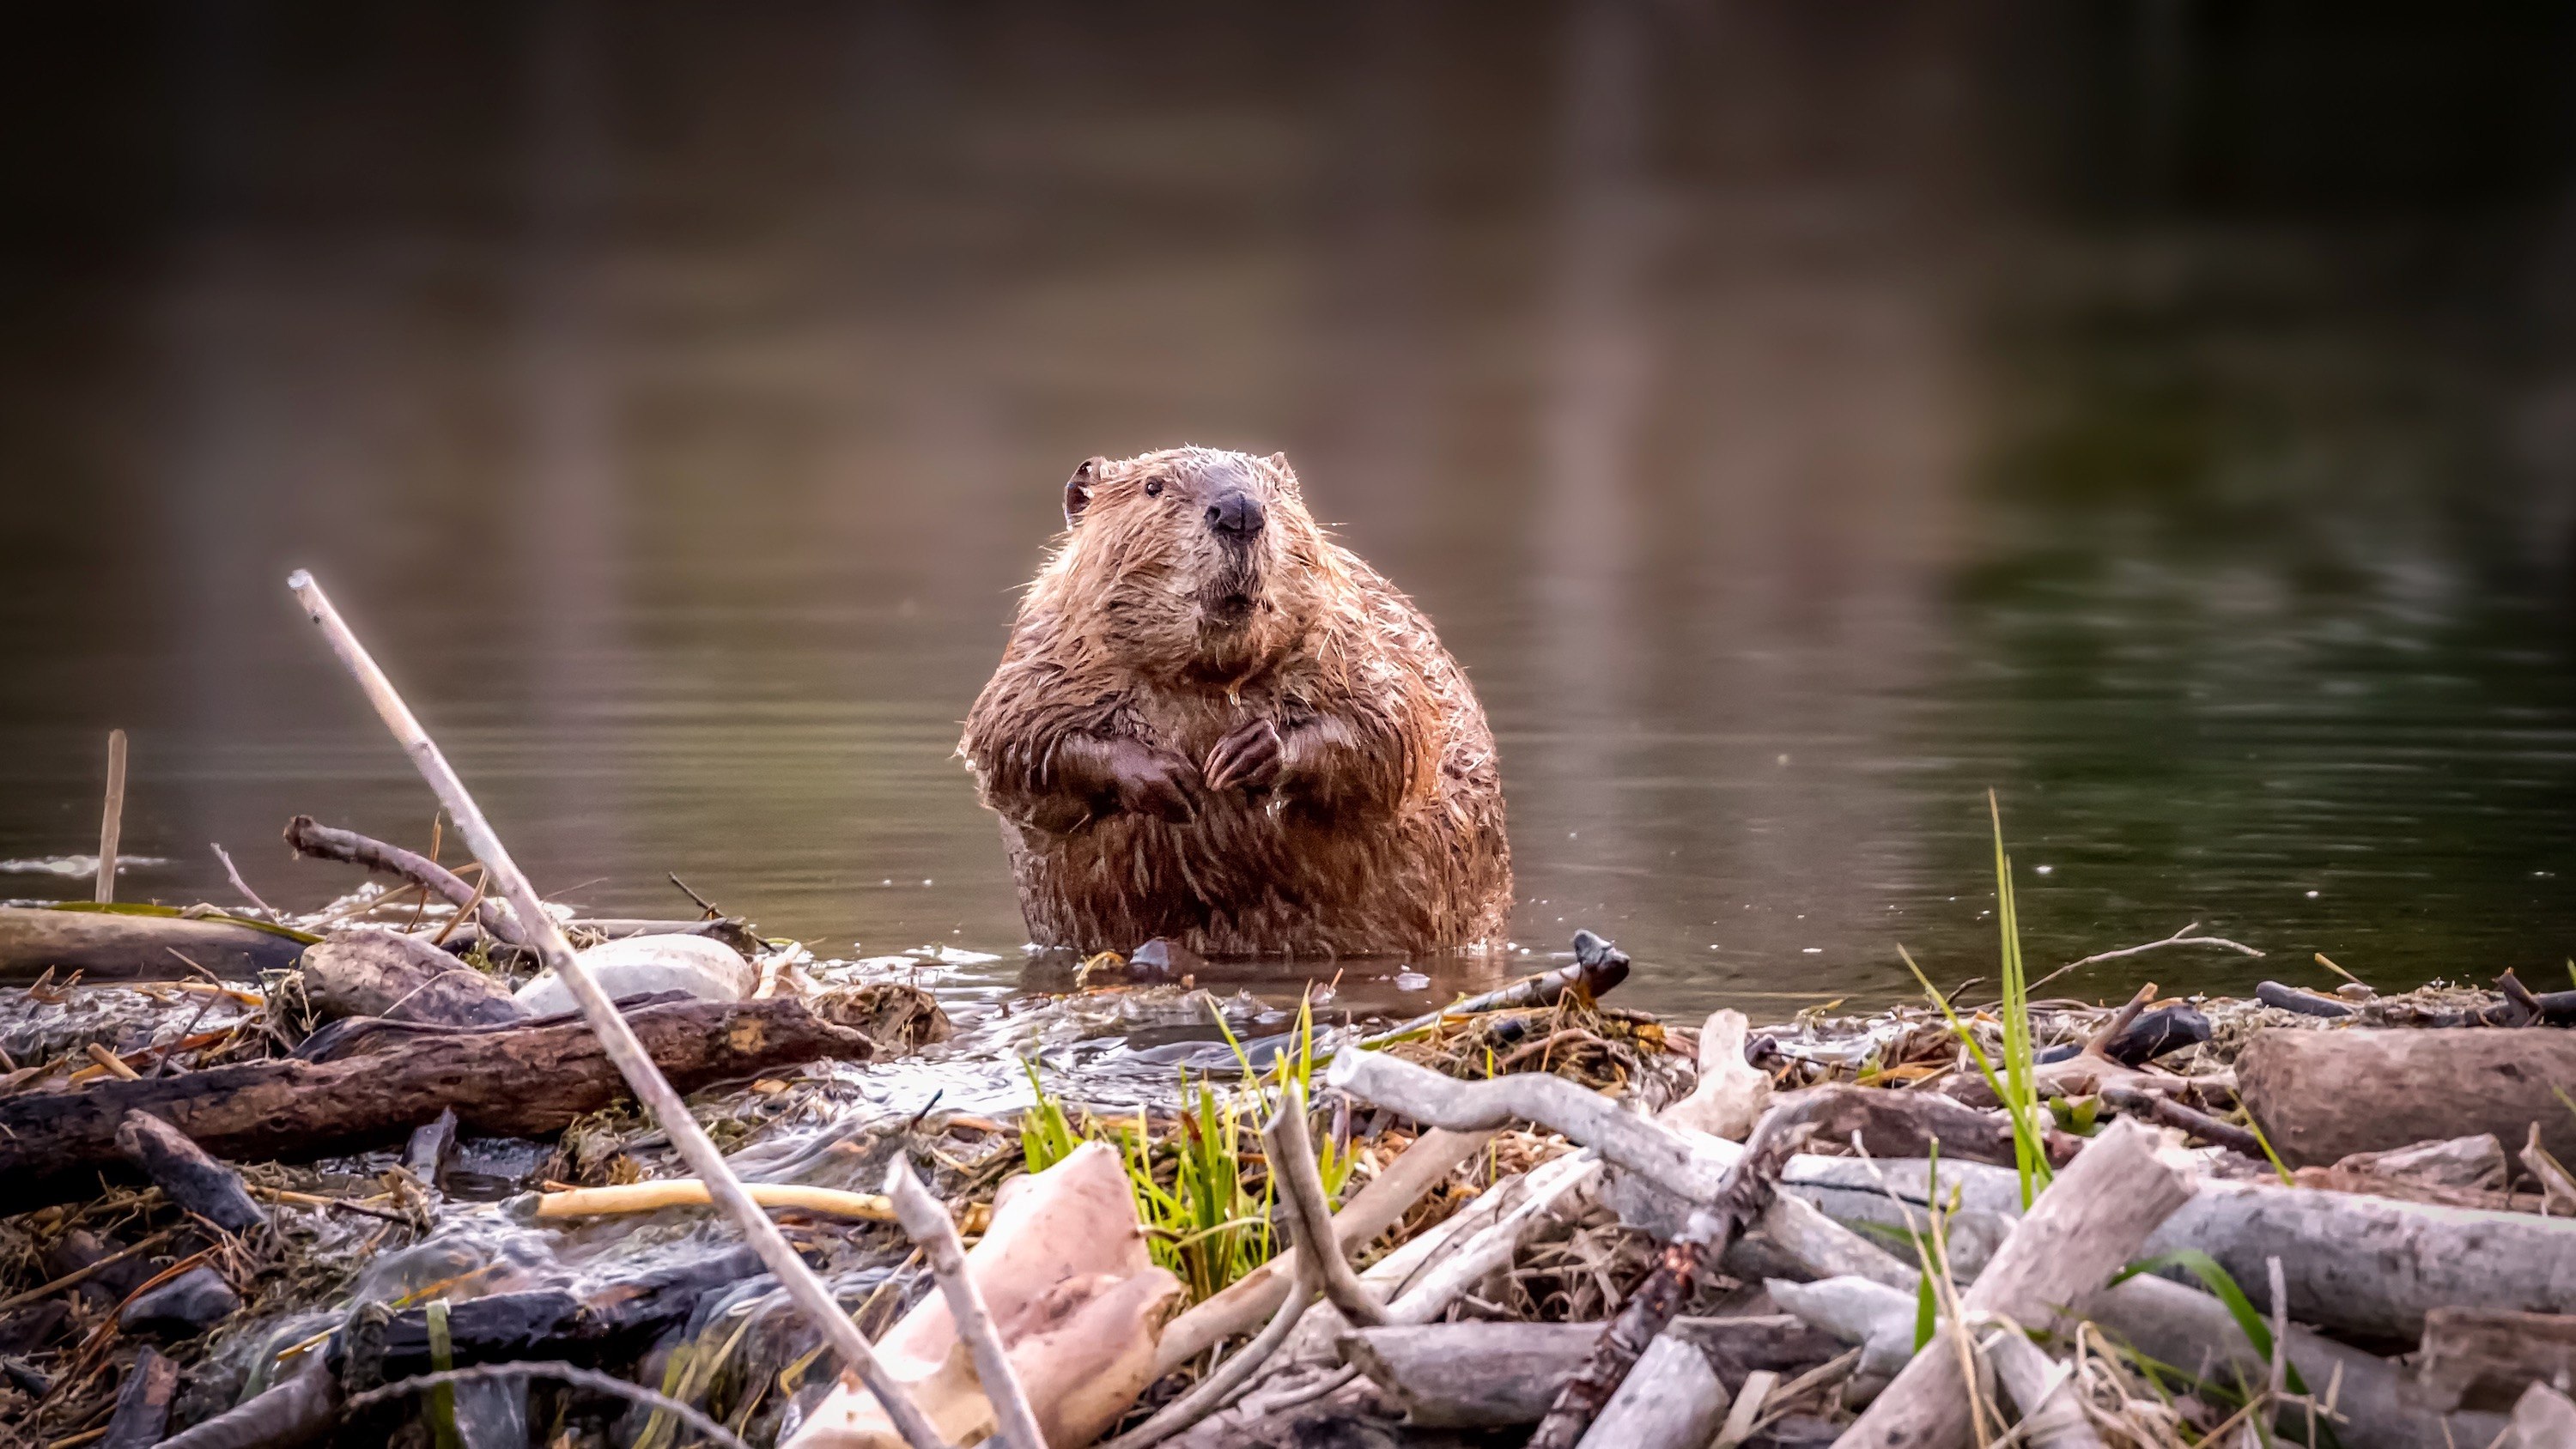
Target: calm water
{"points": [[1799, 419]]}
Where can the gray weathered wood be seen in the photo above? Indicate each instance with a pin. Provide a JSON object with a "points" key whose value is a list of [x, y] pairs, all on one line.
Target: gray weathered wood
{"points": [[2321, 1095], [1671, 1399], [2092, 1220], [2481, 1358], [1494, 1375]]}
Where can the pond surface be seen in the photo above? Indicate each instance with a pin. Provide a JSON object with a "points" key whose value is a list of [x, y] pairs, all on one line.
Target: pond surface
{"points": [[1799, 422]]}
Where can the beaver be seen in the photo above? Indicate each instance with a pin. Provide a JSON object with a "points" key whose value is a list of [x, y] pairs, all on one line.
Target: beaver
{"points": [[1215, 725]]}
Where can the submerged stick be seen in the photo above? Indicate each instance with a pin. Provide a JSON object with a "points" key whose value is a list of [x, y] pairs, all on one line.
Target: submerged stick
{"points": [[925, 1220], [615, 1037], [112, 820], [1292, 1165]]}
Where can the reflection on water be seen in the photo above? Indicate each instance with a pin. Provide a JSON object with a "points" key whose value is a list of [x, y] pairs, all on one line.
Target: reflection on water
{"points": [[1797, 420]]}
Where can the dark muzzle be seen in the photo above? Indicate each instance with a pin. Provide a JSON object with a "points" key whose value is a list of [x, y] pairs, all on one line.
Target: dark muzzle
{"points": [[1236, 516]]}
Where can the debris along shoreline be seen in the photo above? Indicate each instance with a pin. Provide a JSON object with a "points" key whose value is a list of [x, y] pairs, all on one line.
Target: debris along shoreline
{"points": [[372, 1174]]}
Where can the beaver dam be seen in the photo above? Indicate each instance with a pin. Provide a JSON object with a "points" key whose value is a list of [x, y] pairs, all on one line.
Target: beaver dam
{"points": [[443, 1164]]}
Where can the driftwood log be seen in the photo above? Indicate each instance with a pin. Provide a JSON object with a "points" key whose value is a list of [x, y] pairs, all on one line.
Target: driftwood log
{"points": [[370, 971], [526, 1082], [2085, 1226], [1494, 1375], [2368, 1266], [117, 946], [2319, 1095]]}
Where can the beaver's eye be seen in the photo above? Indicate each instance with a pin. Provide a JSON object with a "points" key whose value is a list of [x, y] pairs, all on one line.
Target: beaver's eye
{"points": [[1153, 487]]}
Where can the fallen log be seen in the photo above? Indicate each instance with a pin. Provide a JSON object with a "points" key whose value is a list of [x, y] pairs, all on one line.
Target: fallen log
{"points": [[2091, 1220], [2368, 1266], [2321, 1095], [1491, 1375], [526, 1082], [301, 1408], [369, 971], [1671, 1398], [196, 1182], [138, 943]]}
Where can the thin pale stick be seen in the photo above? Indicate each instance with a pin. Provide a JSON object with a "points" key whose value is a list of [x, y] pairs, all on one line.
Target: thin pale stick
{"points": [[1292, 1165], [616, 1038], [112, 820], [241, 885], [925, 1220], [2182, 937]]}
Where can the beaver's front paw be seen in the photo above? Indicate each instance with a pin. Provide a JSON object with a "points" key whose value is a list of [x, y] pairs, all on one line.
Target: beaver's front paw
{"points": [[1148, 781], [1249, 756]]}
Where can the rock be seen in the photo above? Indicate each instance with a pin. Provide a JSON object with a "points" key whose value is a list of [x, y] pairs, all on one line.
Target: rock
{"points": [[708, 970], [183, 1307]]}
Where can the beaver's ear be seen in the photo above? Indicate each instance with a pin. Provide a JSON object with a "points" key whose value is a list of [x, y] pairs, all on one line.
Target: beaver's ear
{"points": [[1287, 476], [1077, 489]]}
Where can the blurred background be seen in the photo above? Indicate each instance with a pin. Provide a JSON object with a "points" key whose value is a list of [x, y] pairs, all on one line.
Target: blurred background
{"points": [[1798, 417]]}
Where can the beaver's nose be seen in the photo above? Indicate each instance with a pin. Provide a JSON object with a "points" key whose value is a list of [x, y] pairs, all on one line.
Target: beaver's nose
{"points": [[1236, 515]]}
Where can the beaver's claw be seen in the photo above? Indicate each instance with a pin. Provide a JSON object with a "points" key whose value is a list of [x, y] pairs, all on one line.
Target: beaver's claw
{"points": [[1250, 756], [1153, 782]]}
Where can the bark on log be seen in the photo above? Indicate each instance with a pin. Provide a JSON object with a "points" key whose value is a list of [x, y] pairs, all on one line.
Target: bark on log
{"points": [[2368, 1266], [1494, 1375], [143, 1402], [1906, 1124], [195, 1181], [2480, 1358], [370, 971], [1671, 1399], [302, 1408], [2319, 1095], [2089, 1222], [518, 1083], [114, 946], [1640, 1321]]}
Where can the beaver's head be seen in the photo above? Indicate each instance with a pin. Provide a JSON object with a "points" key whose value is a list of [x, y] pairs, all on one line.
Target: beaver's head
{"points": [[1189, 563]]}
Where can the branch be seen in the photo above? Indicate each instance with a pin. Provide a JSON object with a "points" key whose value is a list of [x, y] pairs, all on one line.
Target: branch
{"points": [[925, 1220], [306, 836], [1292, 1165], [2182, 937], [617, 1038]]}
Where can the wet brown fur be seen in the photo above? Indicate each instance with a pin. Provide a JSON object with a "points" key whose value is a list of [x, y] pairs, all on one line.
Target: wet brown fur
{"points": [[1149, 655]]}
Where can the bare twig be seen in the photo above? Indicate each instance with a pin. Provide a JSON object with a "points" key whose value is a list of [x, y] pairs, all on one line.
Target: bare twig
{"points": [[616, 1037], [324, 842], [2183, 937], [1292, 1165], [704, 904], [233, 874], [82, 1273], [925, 1220], [112, 819]]}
